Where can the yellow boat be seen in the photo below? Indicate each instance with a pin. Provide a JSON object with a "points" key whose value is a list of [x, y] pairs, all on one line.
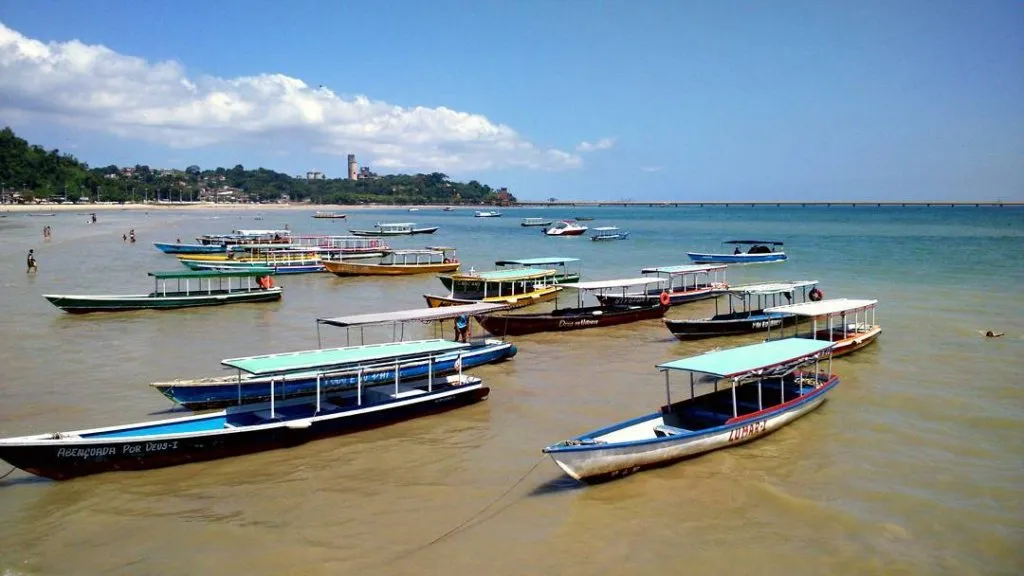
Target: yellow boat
{"points": [[518, 288], [399, 263]]}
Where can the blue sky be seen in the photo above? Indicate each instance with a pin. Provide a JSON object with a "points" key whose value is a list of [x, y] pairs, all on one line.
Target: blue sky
{"points": [[663, 100]]}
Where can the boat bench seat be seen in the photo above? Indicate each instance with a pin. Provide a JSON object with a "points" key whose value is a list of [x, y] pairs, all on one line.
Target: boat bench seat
{"points": [[666, 430], [265, 415], [717, 417]]}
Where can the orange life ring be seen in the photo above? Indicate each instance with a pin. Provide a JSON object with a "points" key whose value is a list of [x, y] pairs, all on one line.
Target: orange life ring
{"points": [[265, 282], [815, 295], [665, 299]]}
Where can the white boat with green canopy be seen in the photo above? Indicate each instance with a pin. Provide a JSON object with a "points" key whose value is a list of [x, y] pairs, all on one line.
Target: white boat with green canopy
{"points": [[291, 374], [181, 289]]}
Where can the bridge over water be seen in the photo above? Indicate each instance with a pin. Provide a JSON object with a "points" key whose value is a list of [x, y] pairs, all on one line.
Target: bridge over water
{"points": [[626, 204]]}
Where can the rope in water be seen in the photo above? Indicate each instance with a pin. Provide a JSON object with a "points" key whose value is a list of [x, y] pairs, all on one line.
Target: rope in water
{"points": [[469, 521]]}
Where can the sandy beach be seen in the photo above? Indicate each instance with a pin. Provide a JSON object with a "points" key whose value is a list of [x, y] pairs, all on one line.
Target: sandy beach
{"points": [[87, 208]]}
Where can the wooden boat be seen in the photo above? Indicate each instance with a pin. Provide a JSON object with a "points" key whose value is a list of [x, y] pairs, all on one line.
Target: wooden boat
{"points": [[377, 363], [179, 248], [487, 214], [749, 315], [518, 288], [43, 214], [608, 233], [566, 269], [395, 229], [848, 324], [335, 215], [685, 283], [280, 260], [247, 236], [344, 247], [764, 390], [581, 317], [254, 285], [527, 222], [399, 263], [566, 228], [758, 252], [237, 430]]}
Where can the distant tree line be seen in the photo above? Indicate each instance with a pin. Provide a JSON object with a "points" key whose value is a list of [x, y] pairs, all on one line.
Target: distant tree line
{"points": [[34, 172]]}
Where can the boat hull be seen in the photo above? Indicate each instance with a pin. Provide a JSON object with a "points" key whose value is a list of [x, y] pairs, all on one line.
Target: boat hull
{"points": [[518, 301], [172, 248], [568, 319], [595, 463], [85, 304], [479, 286], [708, 258], [363, 269], [607, 237], [729, 324], [227, 266], [430, 230], [852, 343], [221, 392], [62, 459]]}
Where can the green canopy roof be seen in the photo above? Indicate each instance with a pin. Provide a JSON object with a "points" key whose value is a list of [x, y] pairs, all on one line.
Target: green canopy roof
{"points": [[747, 359], [240, 273], [334, 357]]}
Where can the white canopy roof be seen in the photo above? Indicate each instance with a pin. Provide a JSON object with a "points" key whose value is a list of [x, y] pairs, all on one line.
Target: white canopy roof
{"points": [[621, 283], [683, 269], [824, 307], [421, 314], [770, 287]]}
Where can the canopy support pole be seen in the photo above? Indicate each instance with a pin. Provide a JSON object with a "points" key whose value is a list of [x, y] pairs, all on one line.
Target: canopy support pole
{"points": [[318, 393], [734, 413], [668, 392], [272, 415]]}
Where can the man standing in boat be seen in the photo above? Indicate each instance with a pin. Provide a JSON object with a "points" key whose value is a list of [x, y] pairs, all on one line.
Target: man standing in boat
{"points": [[462, 328]]}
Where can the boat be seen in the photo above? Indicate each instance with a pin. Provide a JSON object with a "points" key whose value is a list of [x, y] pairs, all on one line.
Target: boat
{"points": [[399, 262], [375, 363], [180, 289], [527, 222], [765, 389], [414, 209], [518, 287], [43, 214], [239, 429], [686, 283], [847, 323], [565, 228], [583, 218], [581, 317], [395, 229], [280, 260], [345, 247], [608, 233], [746, 312], [179, 248], [336, 215], [448, 209], [487, 214], [246, 237], [745, 252], [566, 269]]}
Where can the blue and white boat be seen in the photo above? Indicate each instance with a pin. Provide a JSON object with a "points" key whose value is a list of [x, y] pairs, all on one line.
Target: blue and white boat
{"points": [[744, 252], [757, 389], [684, 283], [179, 248], [602, 233], [746, 311], [374, 363], [236, 430]]}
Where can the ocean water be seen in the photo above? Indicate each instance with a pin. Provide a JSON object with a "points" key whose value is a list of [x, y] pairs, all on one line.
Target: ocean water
{"points": [[914, 465]]}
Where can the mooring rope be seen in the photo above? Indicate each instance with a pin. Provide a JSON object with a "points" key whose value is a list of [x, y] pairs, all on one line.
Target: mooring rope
{"points": [[9, 472], [469, 521]]}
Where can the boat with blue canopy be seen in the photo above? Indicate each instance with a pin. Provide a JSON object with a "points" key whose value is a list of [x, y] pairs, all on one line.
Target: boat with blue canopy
{"points": [[684, 283], [297, 373], [754, 390], [180, 289], [746, 310], [239, 429], [743, 252]]}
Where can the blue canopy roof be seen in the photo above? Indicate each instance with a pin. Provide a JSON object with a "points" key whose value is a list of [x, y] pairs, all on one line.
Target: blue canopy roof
{"points": [[746, 359]]}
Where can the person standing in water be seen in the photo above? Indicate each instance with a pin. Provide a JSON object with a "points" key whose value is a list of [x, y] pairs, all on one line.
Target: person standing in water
{"points": [[31, 261]]}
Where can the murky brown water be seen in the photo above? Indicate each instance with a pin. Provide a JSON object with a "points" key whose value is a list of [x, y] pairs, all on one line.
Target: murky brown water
{"points": [[914, 466]]}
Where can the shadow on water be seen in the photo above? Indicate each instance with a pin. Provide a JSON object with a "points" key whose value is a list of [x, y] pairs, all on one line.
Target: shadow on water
{"points": [[559, 485]]}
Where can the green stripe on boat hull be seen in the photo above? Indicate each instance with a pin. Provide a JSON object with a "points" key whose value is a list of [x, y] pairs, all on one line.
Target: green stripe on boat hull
{"points": [[84, 304]]}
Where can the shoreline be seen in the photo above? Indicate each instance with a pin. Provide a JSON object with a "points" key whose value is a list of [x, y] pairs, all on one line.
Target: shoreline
{"points": [[88, 208]]}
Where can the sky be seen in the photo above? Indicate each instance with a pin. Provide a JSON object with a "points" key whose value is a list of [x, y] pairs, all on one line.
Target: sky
{"points": [[571, 99]]}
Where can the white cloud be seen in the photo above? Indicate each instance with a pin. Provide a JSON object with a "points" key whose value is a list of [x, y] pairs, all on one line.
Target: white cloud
{"points": [[651, 168], [97, 88], [602, 144]]}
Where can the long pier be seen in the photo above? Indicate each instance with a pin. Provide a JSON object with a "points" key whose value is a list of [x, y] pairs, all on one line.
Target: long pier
{"points": [[631, 203]]}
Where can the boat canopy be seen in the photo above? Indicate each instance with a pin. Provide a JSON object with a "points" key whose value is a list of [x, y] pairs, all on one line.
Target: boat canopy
{"points": [[763, 288], [605, 228], [506, 275], [683, 269], [773, 242], [431, 252], [263, 232], [383, 224], [605, 284], [548, 261], [751, 359], [286, 362], [442, 248], [824, 307], [420, 314], [190, 274]]}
